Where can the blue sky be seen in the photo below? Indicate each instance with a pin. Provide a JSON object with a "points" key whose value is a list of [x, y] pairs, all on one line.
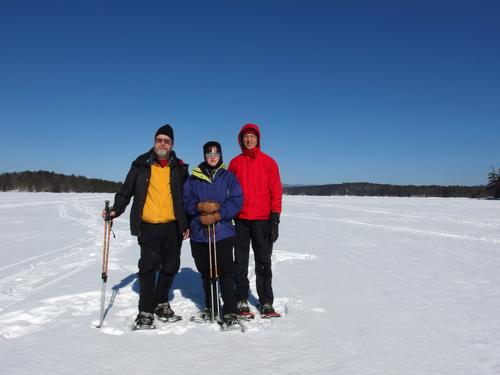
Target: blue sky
{"points": [[403, 92]]}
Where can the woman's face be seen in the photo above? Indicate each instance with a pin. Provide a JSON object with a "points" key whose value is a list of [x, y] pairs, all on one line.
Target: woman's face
{"points": [[212, 156]]}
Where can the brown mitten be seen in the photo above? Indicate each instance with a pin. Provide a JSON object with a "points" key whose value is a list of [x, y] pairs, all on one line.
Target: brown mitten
{"points": [[208, 219], [208, 207]]}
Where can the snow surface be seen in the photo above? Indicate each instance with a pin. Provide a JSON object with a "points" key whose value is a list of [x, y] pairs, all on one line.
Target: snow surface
{"points": [[366, 286]]}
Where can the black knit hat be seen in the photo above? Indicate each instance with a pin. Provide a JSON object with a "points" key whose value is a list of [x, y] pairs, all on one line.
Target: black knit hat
{"points": [[166, 130]]}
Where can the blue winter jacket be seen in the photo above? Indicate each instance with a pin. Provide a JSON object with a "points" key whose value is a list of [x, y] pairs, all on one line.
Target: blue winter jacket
{"points": [[224, 188]]}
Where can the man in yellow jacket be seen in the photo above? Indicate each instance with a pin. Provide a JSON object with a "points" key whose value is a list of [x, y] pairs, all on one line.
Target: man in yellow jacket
{"points": [[157, 218]]}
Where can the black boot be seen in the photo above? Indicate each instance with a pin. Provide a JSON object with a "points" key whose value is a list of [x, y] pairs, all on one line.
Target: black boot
{"points": [[144, 320], [163, 311]]}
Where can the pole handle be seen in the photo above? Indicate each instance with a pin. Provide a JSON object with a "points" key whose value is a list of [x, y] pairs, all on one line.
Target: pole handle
{"points": [[107, 210]]}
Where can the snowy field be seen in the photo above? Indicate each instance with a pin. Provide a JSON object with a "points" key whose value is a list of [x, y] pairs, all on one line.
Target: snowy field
{"points": [[366, 286]]}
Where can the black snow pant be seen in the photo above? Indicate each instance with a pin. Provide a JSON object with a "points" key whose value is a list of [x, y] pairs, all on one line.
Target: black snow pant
{"points": [[225, 272], [254, 231], [160, 253]]}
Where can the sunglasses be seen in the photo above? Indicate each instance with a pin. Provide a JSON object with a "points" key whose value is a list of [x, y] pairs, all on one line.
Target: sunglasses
{"points": [[212, 155], [163, 140]]}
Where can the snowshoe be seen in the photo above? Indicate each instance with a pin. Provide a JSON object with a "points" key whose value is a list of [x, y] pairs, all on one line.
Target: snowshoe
{"points": [[246, 315], [244, 310], [144, 321], [204, 316], [231, 322], [164, 313], [267, 311]]}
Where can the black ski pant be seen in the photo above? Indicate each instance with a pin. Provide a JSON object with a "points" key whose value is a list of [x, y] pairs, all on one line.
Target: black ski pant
{"points": [[225, 269], [160, 261], [253, 231]]}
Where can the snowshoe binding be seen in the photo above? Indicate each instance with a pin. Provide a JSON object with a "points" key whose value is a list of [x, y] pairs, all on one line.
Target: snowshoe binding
{"points": [[144, 321], [267, 311], [231, 322], [164, 313], [244, 310], [204, 316]]}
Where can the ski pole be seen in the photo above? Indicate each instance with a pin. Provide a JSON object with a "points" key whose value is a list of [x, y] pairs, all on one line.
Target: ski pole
{"points": [[216, 271], [105, 254], [211, 275], [214, 246]]}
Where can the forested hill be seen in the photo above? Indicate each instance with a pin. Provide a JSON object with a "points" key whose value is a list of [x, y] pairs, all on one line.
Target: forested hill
{"points": [[369, 189], [44, 181]]}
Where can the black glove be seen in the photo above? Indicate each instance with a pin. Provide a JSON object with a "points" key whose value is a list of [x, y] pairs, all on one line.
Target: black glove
{"points": [[272, 231]]}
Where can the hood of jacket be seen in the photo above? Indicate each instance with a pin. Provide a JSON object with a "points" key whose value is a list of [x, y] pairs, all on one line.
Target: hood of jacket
{"points": [[201, 173], [244, 129]]}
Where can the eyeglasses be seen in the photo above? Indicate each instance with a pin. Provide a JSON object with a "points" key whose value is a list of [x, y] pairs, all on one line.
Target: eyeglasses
{"points": [[164, 140], [249, 136], [212, 155]]}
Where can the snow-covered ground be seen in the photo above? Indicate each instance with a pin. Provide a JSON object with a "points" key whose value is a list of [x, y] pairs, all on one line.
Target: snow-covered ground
{"points": [[366, 286]]}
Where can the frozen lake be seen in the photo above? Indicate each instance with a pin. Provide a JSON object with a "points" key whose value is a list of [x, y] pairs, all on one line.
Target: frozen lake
{"points": [[366, 286]]}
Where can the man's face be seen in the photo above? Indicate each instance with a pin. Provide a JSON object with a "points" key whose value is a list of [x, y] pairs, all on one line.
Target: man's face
{"points": [[249, 140], [163, 145]]}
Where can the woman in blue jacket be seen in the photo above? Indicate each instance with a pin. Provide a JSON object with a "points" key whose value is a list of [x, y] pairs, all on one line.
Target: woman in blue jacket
{"points": [[212, 195]]}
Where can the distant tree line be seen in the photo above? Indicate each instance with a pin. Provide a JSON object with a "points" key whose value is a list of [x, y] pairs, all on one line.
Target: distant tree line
{"points": [[43, 181], [494, 183], [369, 189]]}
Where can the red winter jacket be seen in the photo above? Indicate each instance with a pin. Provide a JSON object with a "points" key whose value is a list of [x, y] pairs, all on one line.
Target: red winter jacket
{"points": [[259, 178]]}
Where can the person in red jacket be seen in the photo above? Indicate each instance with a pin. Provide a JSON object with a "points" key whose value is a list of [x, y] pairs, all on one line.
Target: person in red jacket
{"points": [[259, 177]]}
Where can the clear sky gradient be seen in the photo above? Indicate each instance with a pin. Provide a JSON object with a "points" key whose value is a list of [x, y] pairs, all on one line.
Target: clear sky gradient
{"points": [[402, 92]]}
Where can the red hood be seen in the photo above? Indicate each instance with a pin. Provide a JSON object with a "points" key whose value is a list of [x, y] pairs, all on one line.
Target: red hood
{"points": [[246, 127]]}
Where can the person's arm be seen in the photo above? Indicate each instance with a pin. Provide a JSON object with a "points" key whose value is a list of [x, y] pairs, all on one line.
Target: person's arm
{"points": [[234, 201], [275, 188], [184, 177], [126, 192], [232, 166], [123, 196], [189, 199]]}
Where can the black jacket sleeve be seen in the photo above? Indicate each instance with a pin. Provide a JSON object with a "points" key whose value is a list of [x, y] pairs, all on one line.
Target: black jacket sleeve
{"points": [[184, 174], [126, 192]]}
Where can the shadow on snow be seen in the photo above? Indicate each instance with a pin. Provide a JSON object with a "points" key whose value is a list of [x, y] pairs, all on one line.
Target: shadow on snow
{"points": [[187, 281]]}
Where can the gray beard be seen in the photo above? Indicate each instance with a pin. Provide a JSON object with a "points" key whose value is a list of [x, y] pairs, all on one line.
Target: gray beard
{"points": [[162, 154]]}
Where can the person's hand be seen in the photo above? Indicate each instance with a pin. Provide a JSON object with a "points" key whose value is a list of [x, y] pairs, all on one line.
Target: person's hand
{"points": [[209, 219], [272, 230], [185, 235], [208, 207], [112, 215]]}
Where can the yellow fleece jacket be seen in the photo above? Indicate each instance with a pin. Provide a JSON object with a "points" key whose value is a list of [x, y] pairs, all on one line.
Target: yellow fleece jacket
{"points": [[159, 206]]}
